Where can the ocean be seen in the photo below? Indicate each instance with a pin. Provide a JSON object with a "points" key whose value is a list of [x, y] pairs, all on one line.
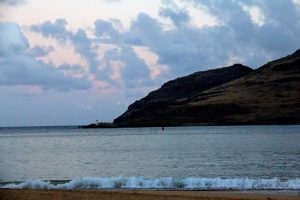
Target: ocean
{"points": [[203, 157]]}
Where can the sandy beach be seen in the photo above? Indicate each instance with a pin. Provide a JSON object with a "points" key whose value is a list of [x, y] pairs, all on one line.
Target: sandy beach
{"points": [[29, 194]]}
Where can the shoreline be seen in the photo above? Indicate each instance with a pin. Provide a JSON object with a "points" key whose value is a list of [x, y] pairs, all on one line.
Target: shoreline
{"points": [[33, 194]]}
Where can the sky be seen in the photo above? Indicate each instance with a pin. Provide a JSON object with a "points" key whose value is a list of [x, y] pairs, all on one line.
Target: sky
{"points": [[70, 62]]}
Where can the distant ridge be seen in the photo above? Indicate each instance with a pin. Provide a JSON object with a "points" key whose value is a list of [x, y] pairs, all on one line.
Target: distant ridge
{"points": [[226, 96]]}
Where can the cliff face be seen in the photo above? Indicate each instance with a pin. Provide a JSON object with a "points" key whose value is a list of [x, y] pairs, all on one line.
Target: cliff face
{"points": [[230, 95]]}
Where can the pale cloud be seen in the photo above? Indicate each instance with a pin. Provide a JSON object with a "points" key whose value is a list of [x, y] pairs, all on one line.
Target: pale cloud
{"points": [[81, 13], [18, 66], [12, 40], [237, 33], [200, 17], [115, 74], [255, 14], [151, 59], [111, 1], [105, 69], [112, 54], [296, 2], [180, 12], [12, 2], [60, 54], [154, 53]]}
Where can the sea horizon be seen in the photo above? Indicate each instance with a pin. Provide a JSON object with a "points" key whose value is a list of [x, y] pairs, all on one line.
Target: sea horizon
{"points": [[196, 125]]}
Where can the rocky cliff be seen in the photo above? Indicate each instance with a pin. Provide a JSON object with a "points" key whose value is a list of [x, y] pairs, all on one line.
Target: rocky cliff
{"points": [[224, 96]]}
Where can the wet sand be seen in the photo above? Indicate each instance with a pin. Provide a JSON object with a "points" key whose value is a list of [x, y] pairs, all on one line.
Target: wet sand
{"points": [[29, 194]]}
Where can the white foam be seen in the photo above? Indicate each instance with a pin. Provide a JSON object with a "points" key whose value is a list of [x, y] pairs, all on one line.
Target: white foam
{"points": [[163, 183]]}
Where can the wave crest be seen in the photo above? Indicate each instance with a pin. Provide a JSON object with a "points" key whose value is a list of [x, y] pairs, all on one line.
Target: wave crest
{"points": [[162, 183]]}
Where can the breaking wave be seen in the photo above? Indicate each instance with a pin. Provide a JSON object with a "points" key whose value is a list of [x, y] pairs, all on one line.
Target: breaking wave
{"points": [[162, 183]]}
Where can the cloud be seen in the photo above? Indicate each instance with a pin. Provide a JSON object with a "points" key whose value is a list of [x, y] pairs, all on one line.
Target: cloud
{"points": [[24, 70], [56, 30], [182, 49], [12, 2], [263, 31], [179, 17], [105, 29], [251, 32], [12, 40], [122, 67], [119, 64], [133, 70], [79, 39], [18, 66], [255, 14], [112, 1], [83, 46], [40, 51]]}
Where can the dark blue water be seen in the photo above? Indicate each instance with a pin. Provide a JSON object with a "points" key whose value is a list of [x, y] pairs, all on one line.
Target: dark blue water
{"points": [[226, 152]]}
